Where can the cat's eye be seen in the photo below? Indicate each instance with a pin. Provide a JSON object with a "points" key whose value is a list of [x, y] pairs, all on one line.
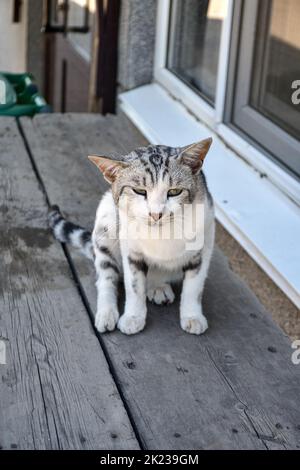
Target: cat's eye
{"points": [[139, 191], [174, 192]]}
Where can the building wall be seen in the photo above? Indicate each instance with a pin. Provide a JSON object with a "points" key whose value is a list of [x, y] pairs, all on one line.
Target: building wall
{"points": [[12, 38], [136, 43]]}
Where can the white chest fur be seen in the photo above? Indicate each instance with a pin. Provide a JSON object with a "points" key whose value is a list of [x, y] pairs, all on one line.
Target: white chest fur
{"points": [[160, 245]]}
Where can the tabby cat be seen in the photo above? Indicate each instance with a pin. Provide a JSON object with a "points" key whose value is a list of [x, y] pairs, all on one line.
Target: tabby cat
{"points": [[154, 189]]}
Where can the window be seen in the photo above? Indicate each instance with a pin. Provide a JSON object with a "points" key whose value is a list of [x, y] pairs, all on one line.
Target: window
{"points": [[194, 43], [234, 63], [268, 65], [277, 63]]}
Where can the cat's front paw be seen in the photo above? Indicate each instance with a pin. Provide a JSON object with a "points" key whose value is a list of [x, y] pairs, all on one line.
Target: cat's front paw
{"points": [[162, 295], [193, 321], [131, 324], [106, 319]]}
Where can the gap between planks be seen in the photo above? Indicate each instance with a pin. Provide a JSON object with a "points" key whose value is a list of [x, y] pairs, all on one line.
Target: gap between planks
{"points": [[81, 291], [224, 362]]}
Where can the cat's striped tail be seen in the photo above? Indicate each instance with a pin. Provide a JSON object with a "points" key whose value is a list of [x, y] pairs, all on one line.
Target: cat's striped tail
{"points": [[67, 232]]}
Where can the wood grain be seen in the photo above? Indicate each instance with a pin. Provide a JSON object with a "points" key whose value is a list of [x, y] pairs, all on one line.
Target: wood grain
{"points": [[234, 387], [56, 390]]}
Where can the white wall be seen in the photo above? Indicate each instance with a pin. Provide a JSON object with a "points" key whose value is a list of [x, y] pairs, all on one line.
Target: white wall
{"points": [[12, 38]]}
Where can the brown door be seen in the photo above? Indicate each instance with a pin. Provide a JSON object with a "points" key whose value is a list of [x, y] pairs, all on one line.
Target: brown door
{"points": [[69, 30], [70, 79], [81, 54]]}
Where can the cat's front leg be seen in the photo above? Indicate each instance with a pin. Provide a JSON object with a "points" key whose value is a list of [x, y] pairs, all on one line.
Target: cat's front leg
{"points": [[192, 319], [108, 272], [135, 269]]}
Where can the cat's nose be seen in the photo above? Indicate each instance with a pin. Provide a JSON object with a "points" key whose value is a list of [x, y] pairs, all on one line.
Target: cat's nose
{"points": [[155, 215]]}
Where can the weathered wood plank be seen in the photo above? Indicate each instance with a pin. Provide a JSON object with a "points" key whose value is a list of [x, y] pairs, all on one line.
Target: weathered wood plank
{"points": [[56, 391], [235, 387]]}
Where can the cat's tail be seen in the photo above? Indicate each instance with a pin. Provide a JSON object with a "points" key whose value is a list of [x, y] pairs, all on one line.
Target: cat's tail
{"points": [[67, 232]]}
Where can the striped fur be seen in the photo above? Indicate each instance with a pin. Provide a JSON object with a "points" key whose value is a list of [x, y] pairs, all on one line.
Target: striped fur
{"points": [[150, 187], [67, 232]]}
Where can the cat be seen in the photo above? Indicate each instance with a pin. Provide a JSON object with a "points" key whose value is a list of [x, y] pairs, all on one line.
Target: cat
{"points": [[151, 188]]}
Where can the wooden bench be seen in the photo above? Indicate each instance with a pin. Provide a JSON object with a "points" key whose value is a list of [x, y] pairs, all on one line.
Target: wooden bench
{"points": [[66, 387]]}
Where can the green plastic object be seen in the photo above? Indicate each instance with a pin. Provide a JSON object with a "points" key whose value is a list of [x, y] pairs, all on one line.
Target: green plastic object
{"points": [[19, 96]]}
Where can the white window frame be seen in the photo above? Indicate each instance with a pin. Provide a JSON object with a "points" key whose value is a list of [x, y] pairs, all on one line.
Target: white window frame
{"points": [[213, 117]]}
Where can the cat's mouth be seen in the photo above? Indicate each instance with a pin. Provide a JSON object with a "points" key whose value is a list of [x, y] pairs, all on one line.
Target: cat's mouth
{"points": [[165, 219], [153, 223]]}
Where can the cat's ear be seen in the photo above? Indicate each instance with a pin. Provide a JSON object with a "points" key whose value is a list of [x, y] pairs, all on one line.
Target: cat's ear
{"points": [[194, 155], [108, 167]]}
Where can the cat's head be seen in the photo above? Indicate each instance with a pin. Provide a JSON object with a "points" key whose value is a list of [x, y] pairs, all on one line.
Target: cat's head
{"points": [[154, 182]]}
